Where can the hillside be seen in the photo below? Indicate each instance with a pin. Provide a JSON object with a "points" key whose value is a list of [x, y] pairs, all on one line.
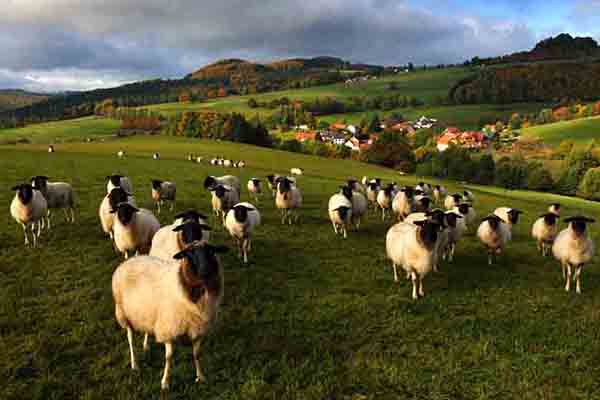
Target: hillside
{"points": [[312, 317], [13, 98], [581, 131]]}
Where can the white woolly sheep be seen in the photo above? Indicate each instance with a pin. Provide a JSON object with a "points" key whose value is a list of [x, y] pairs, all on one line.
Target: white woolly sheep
{"points": [[296, 171], [453, 200], [224, 197], [272, 183], [438, 217], [227, 163], [360, 205], [340, 210], [115, 181], [402, 205], [121, 154], [241, 164], [494, 234], [58, 195], [28, 207], [573, 249], [544, 232], [255, 188], [171, 239], [134, 229], [169, 300], [439, 193], [51, 149], [468, 213], [372, 192], [509, 215], [468, 196], [412, 247], [163, 191], [110, 203], [233, 181], [240, 222], [385, 197], [288, 200], [424, 187], [156, 156], [421, 203]]}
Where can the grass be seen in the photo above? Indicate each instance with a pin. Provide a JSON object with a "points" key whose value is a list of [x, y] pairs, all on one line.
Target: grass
{"points": [[581, 131], [313, 317], [61, 131]]}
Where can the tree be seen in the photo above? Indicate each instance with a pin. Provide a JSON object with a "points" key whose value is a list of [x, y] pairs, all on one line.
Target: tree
{"points": [[252, 103], [539, 178], [374, 124], [486, 171], [589, 188]]}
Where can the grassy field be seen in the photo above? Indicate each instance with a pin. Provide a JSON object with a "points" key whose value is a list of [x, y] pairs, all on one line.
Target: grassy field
{"points": [[312, 317], [581, 131], [60, 131]]}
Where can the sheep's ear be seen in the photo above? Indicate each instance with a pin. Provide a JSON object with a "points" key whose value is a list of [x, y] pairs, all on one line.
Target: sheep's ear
{"points": [[589, 220], [180, 255], [178, 228]]}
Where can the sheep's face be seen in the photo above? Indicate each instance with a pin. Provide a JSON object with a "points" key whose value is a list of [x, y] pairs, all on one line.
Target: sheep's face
{"points": [[463, 208], [271, 179], [437, 216], [284, 185], [191, 231], [494, 221], [24, 192], [466, 193], [39, 182], [389, 189], [347, 192], [241, 213], [425, 202], [373, 186], [457, 197], [220, 191], [210, 182], [428, 232], [256, 182], [343, 212], [125, 213], [203, 262], [156, 184], [115, 179], [438, 188], [419, 192], [190, 215], [409, 191], [452, 218], [550, 218], [513, 215], [116, 197], [578, 224]]}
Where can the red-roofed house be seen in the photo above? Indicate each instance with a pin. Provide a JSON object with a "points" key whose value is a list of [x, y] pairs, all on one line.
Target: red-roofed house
{"points": [[338, 126], [306, 136]]}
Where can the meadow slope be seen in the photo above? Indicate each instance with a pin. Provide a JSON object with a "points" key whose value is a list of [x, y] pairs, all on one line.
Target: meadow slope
{"points": [[312, 317], [581, 131]]}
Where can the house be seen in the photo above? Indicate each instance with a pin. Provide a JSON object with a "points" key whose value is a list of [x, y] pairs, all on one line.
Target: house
{"points": [[353, 143], [475, 140], [307, 136], [445, 141], [404, 128], [424, 123], [333, 137], [352, 129], [301, 127], [338, 126]]}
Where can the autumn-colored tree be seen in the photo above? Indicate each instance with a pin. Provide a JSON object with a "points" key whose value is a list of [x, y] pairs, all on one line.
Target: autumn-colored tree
{"points": [[221, 92], [185, 97]]}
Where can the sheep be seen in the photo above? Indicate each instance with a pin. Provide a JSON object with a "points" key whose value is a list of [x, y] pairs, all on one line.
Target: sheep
{"points": [[468, 196], [156, 156], [509, 215], [412, 246], [494, 233], [28, 207], [573, 249], [340, 210], [58, 195], [51, 149], [224, 197], [190, 215], [170, 300], [424, 187], [360, 205], [227, 163], [544, 232], [191, 157], [357, 186], [385, 197], [372, 192], [452, 201], [297, 171], [121, 154], [554, 209], [163, 191], [402, 205], [116, 180], [455, 231], [272, 183], [233, 181], [240, 222], [171, 239], [241, 164], [134, 229], [255, 188], [288, 199], [439, 193], [421, 203], [199, 160], [110, 203], [438, 217], [364, 181], [468, 213]]}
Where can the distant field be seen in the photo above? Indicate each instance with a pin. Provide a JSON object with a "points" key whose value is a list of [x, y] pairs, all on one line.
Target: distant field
{"points": [[59, 131], [581, 131]]}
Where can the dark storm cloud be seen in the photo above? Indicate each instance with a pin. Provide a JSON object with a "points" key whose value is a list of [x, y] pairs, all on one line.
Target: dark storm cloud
{"points": [[151, 37]]}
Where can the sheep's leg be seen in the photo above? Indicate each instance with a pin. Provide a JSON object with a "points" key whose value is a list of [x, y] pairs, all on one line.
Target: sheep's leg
{"points": [[245, 249], [578, 279], [146, 346], [421, 291], [568, 278], [415, 283], [283, 217], [490, 257], [131, 351], [25, 234], [48, 223], [334, 227], [172, 205], [563, 266], [383, 214], [39, 232], [196, 358], [344, 231], [395, 272], [33, 235], [126, 254], [164, 383]]}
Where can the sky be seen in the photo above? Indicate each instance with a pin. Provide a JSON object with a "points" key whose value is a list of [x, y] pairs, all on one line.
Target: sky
{"points": [[58, 45]]}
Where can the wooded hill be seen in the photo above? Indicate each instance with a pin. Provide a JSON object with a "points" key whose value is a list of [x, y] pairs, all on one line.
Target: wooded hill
{"points": [[15, 98]]}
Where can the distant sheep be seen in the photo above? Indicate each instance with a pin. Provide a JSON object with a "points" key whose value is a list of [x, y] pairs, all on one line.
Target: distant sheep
{"points": [[544, 232], [51, 149], [272, 182], [372, 192], [467, 211], [468, 196], [439, 194], [224, 197], [171, 239], [573, 249], [121, 154], [134, 229], [554, 209], [212, 181], [163, 191], [28, 207], [297, 171], [494, 233], [240, 222], [156, 156], [170, 300]]}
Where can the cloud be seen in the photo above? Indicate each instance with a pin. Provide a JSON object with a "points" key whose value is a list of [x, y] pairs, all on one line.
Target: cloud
{"points": [[149, 38]]}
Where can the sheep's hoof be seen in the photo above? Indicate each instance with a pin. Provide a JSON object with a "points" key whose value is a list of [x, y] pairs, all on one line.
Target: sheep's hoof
{"points": [[201, 379]]}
